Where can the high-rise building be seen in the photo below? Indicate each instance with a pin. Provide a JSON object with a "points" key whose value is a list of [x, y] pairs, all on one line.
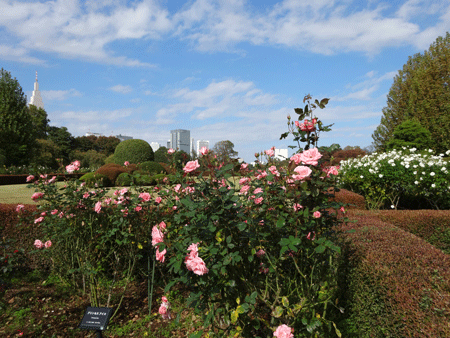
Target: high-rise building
{"points": [[123, 137], [281, 154], [181, 140], [36, 98], [155, 146], [192, 147], [169, 145], [202, 143]]}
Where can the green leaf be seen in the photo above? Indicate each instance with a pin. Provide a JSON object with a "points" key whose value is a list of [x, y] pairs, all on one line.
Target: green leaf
{"points": [[320, 249], [284, 135], [234, 316], [338, 333], [285, 301], [196, 334], [278, 312], [298, 111], [281, 222]]}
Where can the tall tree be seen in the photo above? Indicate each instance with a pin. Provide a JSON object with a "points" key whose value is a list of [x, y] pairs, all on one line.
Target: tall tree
{"points": [[420, 90], [64, 141], [16, 138], [224, 151], [39, 120]]}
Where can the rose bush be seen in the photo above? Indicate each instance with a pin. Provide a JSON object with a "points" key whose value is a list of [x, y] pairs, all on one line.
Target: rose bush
{"points": [[403, 178]]}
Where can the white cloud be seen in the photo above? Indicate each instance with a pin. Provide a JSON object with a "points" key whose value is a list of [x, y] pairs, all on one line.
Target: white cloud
{"points": [[121, 89], [59, 95], [71, 29]]}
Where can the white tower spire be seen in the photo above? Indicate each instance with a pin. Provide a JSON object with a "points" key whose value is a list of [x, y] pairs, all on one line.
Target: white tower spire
{"points": [[36, 98]]}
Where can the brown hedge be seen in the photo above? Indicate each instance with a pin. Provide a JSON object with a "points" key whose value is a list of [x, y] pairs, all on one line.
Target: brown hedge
{"points": [[111, 170], [398, 285], [354, 200], [431, 225]]}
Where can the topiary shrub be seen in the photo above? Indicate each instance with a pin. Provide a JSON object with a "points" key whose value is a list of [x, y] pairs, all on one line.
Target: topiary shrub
{"points": [[111, 170], [168, 168], [152, 167], [131, 168], [110, 159], [133, 151], [91, 179], [124, 180], [143, 178]]}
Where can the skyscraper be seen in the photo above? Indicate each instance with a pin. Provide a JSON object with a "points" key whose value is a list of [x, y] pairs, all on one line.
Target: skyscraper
{"points": [[181, 140], [36, 98]]}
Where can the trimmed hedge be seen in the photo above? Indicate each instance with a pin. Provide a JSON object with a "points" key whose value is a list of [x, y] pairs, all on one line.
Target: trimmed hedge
{"points": [[397, 285], [431, 225], [94, 178], [112, 170], [124, 180], [133, 151], [151, 167]]}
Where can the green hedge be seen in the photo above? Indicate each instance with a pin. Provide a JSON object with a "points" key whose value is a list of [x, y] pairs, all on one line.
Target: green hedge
{"points": [[396, 284]]}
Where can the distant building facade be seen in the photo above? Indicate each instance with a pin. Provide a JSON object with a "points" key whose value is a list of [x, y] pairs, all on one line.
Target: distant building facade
{"points": [[281, 154], [124, 137], [201, 144], [155, 146], [181, 140], [36, 99], [93, 134]]}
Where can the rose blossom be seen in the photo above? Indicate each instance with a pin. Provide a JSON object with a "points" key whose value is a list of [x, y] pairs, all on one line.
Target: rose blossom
{"points": [[191, 166], [307, 126], [38, 244], [30, 178], [257, 191], [244, 180], [195, 263], [283, 331], [297, 207], [316, 214], [158, 200], [160, 255], [126, 163], [98, 207], [37, 195], [258, 200], [270, 152], [170, 151], [157, 235], [260, 253], [20, 207], [203, 150], [54, 211], [273, 170], [38, 220], [296, 158], [145, 196], [309, 236], [164, 308], [310, 156], [48, 244], [302, 172], [244, 165]]}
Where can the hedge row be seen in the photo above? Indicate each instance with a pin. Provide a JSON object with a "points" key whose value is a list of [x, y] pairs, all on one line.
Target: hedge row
{"points": [[22, 178], [396, 284]]}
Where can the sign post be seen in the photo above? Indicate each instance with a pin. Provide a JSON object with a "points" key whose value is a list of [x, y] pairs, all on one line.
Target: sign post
{"points": [[96, 318]]}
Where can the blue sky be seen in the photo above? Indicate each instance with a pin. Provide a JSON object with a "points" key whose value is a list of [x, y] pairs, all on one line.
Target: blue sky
{"points": [[226, 70]]}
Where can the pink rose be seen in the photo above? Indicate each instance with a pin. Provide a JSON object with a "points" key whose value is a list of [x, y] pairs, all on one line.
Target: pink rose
{"points": [[270, 152], [138, 208], [191, 166], [273, 170], [244, 165], [48, 244], [160, 256], [244, 180], [333, 170], [309, 236], [164, 309], [30, 178], [126, 163], [37, 195], [196, 265], [54, 211], [98, 207], [297, 207], [20, 207], [38, 244], [203, 150], [307, 126], [310, 156], [38, 220], [158, 200], [258, 200], [296, 158], [302, 172], [171, 151], [283, 331], [342, 209], [260, 253], [145, 196], [316, 214], [162, 225], [257, 191], [157, 235]]}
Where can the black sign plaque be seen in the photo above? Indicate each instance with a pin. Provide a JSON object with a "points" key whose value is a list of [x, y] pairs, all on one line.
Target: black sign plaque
{"points": [[96, 318]]}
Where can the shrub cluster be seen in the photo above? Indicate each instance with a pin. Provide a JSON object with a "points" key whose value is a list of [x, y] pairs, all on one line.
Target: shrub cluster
{"points": [[134, 151], [399, 179]]}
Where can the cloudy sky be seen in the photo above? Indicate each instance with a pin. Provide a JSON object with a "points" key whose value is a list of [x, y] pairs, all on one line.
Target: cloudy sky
{"points": [[224, 69]]}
